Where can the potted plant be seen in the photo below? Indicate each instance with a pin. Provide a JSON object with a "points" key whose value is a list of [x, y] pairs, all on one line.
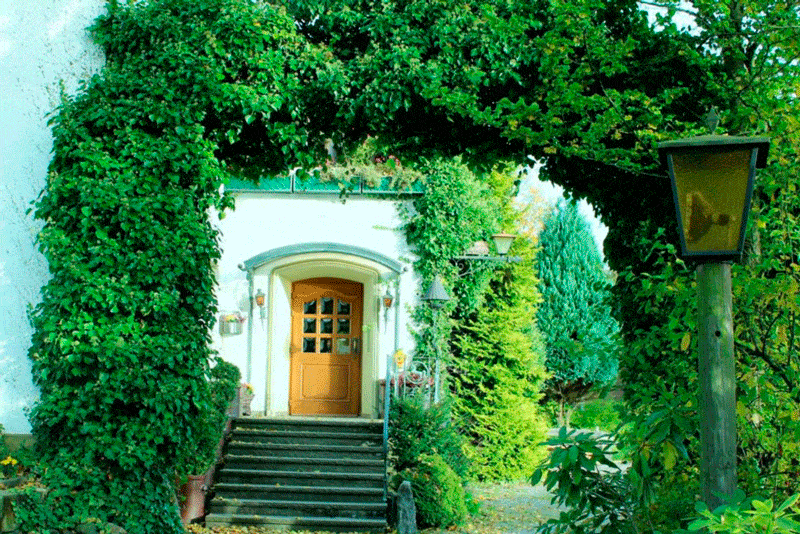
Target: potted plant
{"points": [[245, 398]]}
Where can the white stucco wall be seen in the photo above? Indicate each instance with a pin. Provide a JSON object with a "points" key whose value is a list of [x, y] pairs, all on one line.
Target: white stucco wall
{"points": [[43, 43], [262, 222]]}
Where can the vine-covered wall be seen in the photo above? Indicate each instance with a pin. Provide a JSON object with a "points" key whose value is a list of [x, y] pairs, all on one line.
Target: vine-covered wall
{"points": [[191, 92]]}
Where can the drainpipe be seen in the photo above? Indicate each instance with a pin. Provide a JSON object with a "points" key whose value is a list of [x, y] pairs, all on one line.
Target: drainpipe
{"points": [[251, 300]]}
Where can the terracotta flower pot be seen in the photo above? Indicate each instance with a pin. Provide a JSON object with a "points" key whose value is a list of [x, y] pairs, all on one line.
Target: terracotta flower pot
{"points": [[193, 498]]}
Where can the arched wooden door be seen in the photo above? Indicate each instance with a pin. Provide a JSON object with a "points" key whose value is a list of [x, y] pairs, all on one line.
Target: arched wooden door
{"points": [[326, 347]]}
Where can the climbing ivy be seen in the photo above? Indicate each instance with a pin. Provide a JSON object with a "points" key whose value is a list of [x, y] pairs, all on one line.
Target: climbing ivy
{"points": [[191, 93]]}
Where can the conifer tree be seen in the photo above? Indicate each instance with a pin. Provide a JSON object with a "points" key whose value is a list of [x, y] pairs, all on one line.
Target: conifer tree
{"points": [[574, 316]]}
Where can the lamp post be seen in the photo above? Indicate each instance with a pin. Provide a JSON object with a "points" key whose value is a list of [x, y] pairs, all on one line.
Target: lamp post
{"points": [[712, 184], [436, 297]]}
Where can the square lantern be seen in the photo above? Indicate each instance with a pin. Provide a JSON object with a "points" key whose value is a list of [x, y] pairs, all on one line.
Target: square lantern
{"points": [[712, 185]]}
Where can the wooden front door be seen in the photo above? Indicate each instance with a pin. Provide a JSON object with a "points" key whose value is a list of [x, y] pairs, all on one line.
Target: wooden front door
{"points": [[326, 347]]}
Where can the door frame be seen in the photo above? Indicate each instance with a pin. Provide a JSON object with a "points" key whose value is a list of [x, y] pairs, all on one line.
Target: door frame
{"points": [[271, 336]]}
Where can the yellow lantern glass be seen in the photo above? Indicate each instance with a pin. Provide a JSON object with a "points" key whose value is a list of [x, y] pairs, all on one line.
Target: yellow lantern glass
{"points": [[712, 183], [712, 190]]}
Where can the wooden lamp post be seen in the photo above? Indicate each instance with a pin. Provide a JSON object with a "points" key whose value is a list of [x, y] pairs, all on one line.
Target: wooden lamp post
{"points": [[712, 184]]}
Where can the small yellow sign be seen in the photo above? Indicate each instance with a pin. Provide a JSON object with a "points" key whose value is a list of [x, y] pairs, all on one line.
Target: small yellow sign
{"points": [[399, 358]]}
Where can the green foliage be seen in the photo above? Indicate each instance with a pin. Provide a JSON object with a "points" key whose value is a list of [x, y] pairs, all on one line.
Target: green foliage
{"points": [[417, 429], [439, 495], [223, 385], [192, 92], [195, 91], [751, 515], [454, 213], [602, 414], [591, 486], [575, 316], [496, 371]]}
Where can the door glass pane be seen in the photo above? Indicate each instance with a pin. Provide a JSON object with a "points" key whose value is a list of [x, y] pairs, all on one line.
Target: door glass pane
{"points": [[344, 308], [309, 326], [326, 326], [325, 345], [310, 307], [309, 344], [343, 345], [327, 306], [343, 327]]}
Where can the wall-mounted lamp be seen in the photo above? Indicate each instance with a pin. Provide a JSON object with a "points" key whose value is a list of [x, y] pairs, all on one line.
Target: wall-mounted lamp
{"points": [[502, 242], [388, 299], [260, 298]]}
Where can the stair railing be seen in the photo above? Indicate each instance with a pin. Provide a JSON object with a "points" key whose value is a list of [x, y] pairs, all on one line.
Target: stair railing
{"points": [[387, 405]]}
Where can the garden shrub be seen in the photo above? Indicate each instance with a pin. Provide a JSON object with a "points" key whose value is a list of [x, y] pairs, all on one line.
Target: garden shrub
{"points": [[497, 368], [417, 429], [749, 516], [439, 494], [591, 487], [602, 414]]}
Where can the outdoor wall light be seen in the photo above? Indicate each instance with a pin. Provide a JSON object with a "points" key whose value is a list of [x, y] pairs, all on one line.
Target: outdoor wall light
{"points": [[436, 296], [388, 300], [502, 242], [260, 298], [712, 185]]}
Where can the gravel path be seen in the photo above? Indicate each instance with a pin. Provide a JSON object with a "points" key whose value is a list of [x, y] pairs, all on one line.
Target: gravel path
{"points": [[506, 509]]}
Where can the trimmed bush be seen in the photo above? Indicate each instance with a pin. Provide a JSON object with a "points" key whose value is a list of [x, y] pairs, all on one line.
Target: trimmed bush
{"points": [[438, 492]]}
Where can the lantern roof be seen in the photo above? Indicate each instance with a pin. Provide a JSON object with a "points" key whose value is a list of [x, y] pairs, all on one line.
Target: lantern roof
{"points": [[716, 141]]}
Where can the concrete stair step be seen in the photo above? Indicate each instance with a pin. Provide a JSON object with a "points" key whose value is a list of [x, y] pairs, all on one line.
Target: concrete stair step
{"points": [[341, 426], [289, 450], [330, 465], [305, 437], [273, 507], [317, 474], [337, 524], [299, 493], [300, 478]]}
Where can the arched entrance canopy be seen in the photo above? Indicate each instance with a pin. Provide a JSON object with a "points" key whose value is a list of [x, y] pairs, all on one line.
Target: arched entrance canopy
{"points": [[310, 248]]}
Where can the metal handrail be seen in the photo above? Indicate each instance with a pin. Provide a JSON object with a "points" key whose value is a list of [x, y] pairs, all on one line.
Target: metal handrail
{"points": [[387, 400]]}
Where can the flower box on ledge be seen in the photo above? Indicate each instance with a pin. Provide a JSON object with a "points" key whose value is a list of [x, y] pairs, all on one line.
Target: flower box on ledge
{"points": [[230, 324]]}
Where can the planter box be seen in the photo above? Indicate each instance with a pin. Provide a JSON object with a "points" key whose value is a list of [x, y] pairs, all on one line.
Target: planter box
{"points": [[230, 328]]}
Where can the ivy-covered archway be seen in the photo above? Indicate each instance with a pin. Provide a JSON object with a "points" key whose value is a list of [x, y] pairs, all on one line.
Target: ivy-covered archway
{"points": [[196, 92]]}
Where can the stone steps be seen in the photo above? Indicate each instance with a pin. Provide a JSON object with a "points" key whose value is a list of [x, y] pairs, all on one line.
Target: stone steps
{"points": [[291, 450], [302, 474]]}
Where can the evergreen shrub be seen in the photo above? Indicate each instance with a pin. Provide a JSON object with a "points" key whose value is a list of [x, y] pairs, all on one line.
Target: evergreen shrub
{"points": [[417, 430], [439, 495]]}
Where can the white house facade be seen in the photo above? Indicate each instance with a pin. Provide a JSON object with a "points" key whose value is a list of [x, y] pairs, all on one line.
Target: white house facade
{"points": [[319, 341], [44, 48]]}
